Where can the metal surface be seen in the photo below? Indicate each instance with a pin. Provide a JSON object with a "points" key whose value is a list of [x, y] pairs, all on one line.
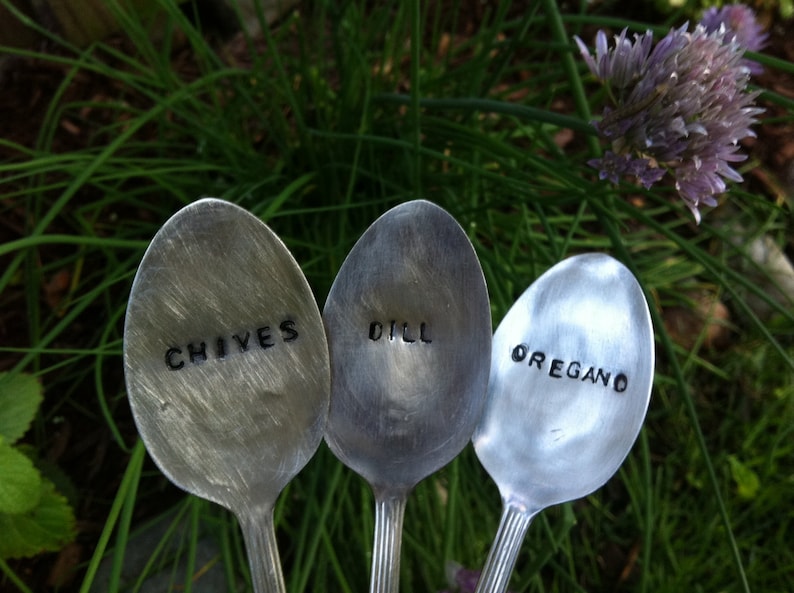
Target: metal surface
{"points": [[227, 366], [571, 376], [409, 330]]}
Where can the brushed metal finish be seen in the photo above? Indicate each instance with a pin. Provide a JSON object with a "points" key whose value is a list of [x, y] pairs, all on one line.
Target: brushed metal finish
{"points": [[404, 404], [571, 375], [226, 360], [409, 330], [547, 435]]}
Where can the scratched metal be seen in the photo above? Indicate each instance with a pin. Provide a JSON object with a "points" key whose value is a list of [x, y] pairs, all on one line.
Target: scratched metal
{"points": [[547, 435], [404, 404], [226, 363], [571, 375], [409, 332]]}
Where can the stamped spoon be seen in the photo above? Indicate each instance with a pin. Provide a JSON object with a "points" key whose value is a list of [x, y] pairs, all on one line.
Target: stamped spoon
{"points": [[571, 374], [227, 367], [409, 332]]}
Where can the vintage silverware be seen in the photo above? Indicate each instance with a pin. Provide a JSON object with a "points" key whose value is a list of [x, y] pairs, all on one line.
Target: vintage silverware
{"points": [[227, 367], [409, 330], [571, 375]]}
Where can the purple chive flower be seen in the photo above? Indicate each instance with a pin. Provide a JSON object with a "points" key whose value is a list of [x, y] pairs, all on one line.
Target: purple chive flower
{"points": [[678, 108], [462, 580], [740, 26]]}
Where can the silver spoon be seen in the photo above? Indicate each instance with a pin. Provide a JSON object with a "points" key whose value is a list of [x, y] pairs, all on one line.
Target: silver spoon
{"points": [[227, 367], [570, 383], [409, 332]]}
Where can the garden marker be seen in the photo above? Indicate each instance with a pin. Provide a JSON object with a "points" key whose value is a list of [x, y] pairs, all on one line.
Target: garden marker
{"points": [[227, 367], [409, 331], [571, 375]]}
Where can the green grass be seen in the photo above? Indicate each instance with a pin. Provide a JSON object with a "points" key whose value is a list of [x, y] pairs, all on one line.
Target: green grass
{"points": [[339, 113]]}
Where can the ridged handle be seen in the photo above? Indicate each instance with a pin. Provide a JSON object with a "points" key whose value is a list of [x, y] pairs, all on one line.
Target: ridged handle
{"points": [[260, 544], [504, 550], [389, 514]]}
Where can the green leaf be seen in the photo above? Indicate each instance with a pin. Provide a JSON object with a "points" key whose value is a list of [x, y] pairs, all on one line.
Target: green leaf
{"points": [[20, 486], [747, 482], [46, 528], [20, 397]]}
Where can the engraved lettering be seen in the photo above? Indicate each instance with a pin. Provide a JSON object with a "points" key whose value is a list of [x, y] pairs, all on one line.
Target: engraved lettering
{"points": [[197, 354], [264, 335], [561, 368], [242, 342], [400, 331], [288, 331], [537, 358], [519, 353], [554, 369], [169, 359], [177, 357]]}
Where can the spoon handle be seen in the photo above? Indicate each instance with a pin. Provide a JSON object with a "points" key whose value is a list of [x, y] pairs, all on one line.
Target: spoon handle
{"points": [[504, 550], [260, 543], [389, 514]]}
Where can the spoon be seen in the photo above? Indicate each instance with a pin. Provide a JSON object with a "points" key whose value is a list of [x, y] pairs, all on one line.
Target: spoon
{"points": [[409, 331], [227, 367], [571, 374]]}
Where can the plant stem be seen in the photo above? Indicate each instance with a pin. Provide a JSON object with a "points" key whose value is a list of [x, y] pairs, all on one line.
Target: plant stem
{"points": [[416, 53], [129, 482], [569, 66], [12, 576]]}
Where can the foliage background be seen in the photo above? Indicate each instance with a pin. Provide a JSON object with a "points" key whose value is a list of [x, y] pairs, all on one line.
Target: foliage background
{"points": [[318, 125]]}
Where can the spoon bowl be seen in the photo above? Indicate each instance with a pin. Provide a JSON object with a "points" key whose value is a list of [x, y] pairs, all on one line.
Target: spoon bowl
{"points": [[409, 332], [570, 383], [227, 367]]}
